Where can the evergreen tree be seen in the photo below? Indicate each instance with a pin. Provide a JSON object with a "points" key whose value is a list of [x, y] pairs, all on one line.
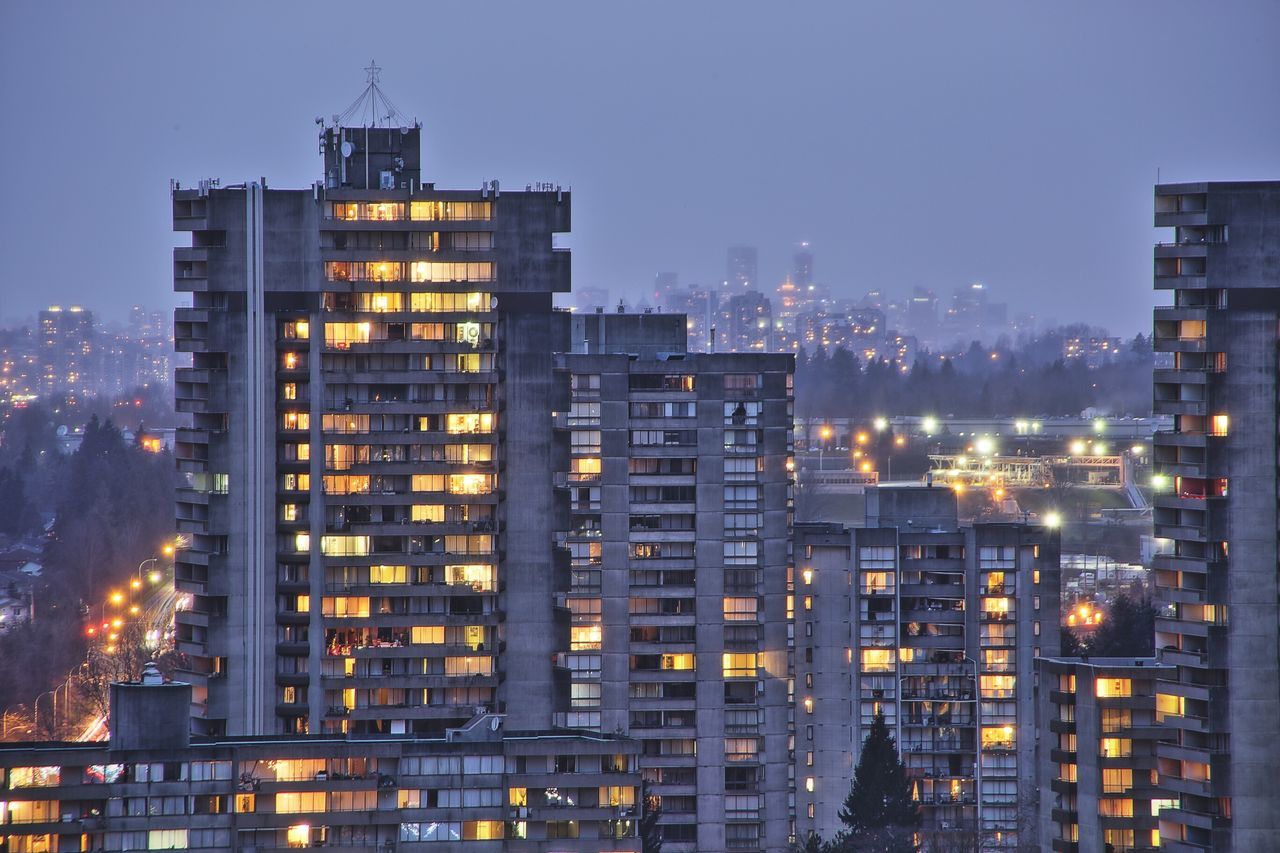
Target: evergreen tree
{"points": [[879, 810]]}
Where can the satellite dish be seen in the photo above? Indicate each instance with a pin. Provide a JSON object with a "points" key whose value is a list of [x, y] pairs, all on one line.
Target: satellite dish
{"points": [[347, 148]]}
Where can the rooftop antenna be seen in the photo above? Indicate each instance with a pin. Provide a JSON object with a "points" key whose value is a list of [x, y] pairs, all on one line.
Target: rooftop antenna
{"points": [[373, 108]]}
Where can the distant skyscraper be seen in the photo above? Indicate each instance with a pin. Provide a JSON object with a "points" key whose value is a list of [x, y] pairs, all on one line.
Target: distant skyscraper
{"points": [[1218, 621], [66, 351], [802, 267], [664, 284], [742, 271]]}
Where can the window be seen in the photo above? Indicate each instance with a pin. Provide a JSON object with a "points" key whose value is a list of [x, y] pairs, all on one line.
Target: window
{"points": [[877, 660], [1114, 747], [469, 422], [585, 637], [343, 335], [34, 777], [296, 802], [339, 545], [739, 665], [1116, 780], [740, 609], [1113, 687], [427, 635], [167, 839], [450, 211], [446, 302]]}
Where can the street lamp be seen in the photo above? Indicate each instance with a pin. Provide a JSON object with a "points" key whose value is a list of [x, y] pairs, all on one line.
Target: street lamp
{"points": [[144, 562]]}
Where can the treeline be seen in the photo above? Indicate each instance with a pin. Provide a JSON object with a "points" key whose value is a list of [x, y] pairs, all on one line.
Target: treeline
{"points": [[1028, 379], [114, 508]]}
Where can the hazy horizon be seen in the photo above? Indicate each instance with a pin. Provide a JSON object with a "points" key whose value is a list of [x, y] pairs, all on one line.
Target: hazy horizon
{"points": [[1007, 143]]}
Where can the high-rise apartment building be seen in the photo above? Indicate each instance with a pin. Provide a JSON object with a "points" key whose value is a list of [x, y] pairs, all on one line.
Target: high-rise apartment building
{"points": [[66, 351], [371, 370], [1220, 616], [1098, 740], [677, 478], [938, 627], [416, 493]]}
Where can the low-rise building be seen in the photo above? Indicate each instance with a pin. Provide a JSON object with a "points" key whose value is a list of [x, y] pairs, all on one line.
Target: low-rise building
{"points": [[479, 788]]}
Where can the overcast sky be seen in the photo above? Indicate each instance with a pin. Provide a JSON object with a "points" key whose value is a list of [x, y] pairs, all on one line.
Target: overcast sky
{"points": [[927, 144]]}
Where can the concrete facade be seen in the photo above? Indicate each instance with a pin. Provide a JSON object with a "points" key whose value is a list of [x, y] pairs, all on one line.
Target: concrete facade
{"points": [[677, 478], [1098, 741], [370, 381], [1219, 624], [481, 787], [938, 627]]}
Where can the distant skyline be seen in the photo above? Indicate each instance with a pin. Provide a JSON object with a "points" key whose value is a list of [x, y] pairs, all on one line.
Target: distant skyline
{"points": [[911, 144]]}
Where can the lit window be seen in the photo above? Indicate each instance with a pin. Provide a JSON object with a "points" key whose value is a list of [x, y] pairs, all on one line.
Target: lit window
{"points": [[877, 660], [740, 609], [737, 665], [428, 512], [678, 662], [431, 635], [167, 839], [585, 637], [1112, 687]]}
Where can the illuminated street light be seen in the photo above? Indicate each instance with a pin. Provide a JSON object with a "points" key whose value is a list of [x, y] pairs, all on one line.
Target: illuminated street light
{"points": [[154, 577], [135, 583], [863, 438], [929, 424], [985, 446], [901, 441], [1099, 448], [168, 550], [880, 424], [117, 598], [1078, 448], [1053, 520], [1137, 449], [1159, 482], [1100, 425]]}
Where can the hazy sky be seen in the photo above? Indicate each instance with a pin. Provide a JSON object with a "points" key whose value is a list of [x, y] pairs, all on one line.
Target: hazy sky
{"points": [[912, 143]]}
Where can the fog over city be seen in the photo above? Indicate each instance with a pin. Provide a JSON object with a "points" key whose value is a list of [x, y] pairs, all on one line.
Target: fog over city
{"points": [[1007, 143]]}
